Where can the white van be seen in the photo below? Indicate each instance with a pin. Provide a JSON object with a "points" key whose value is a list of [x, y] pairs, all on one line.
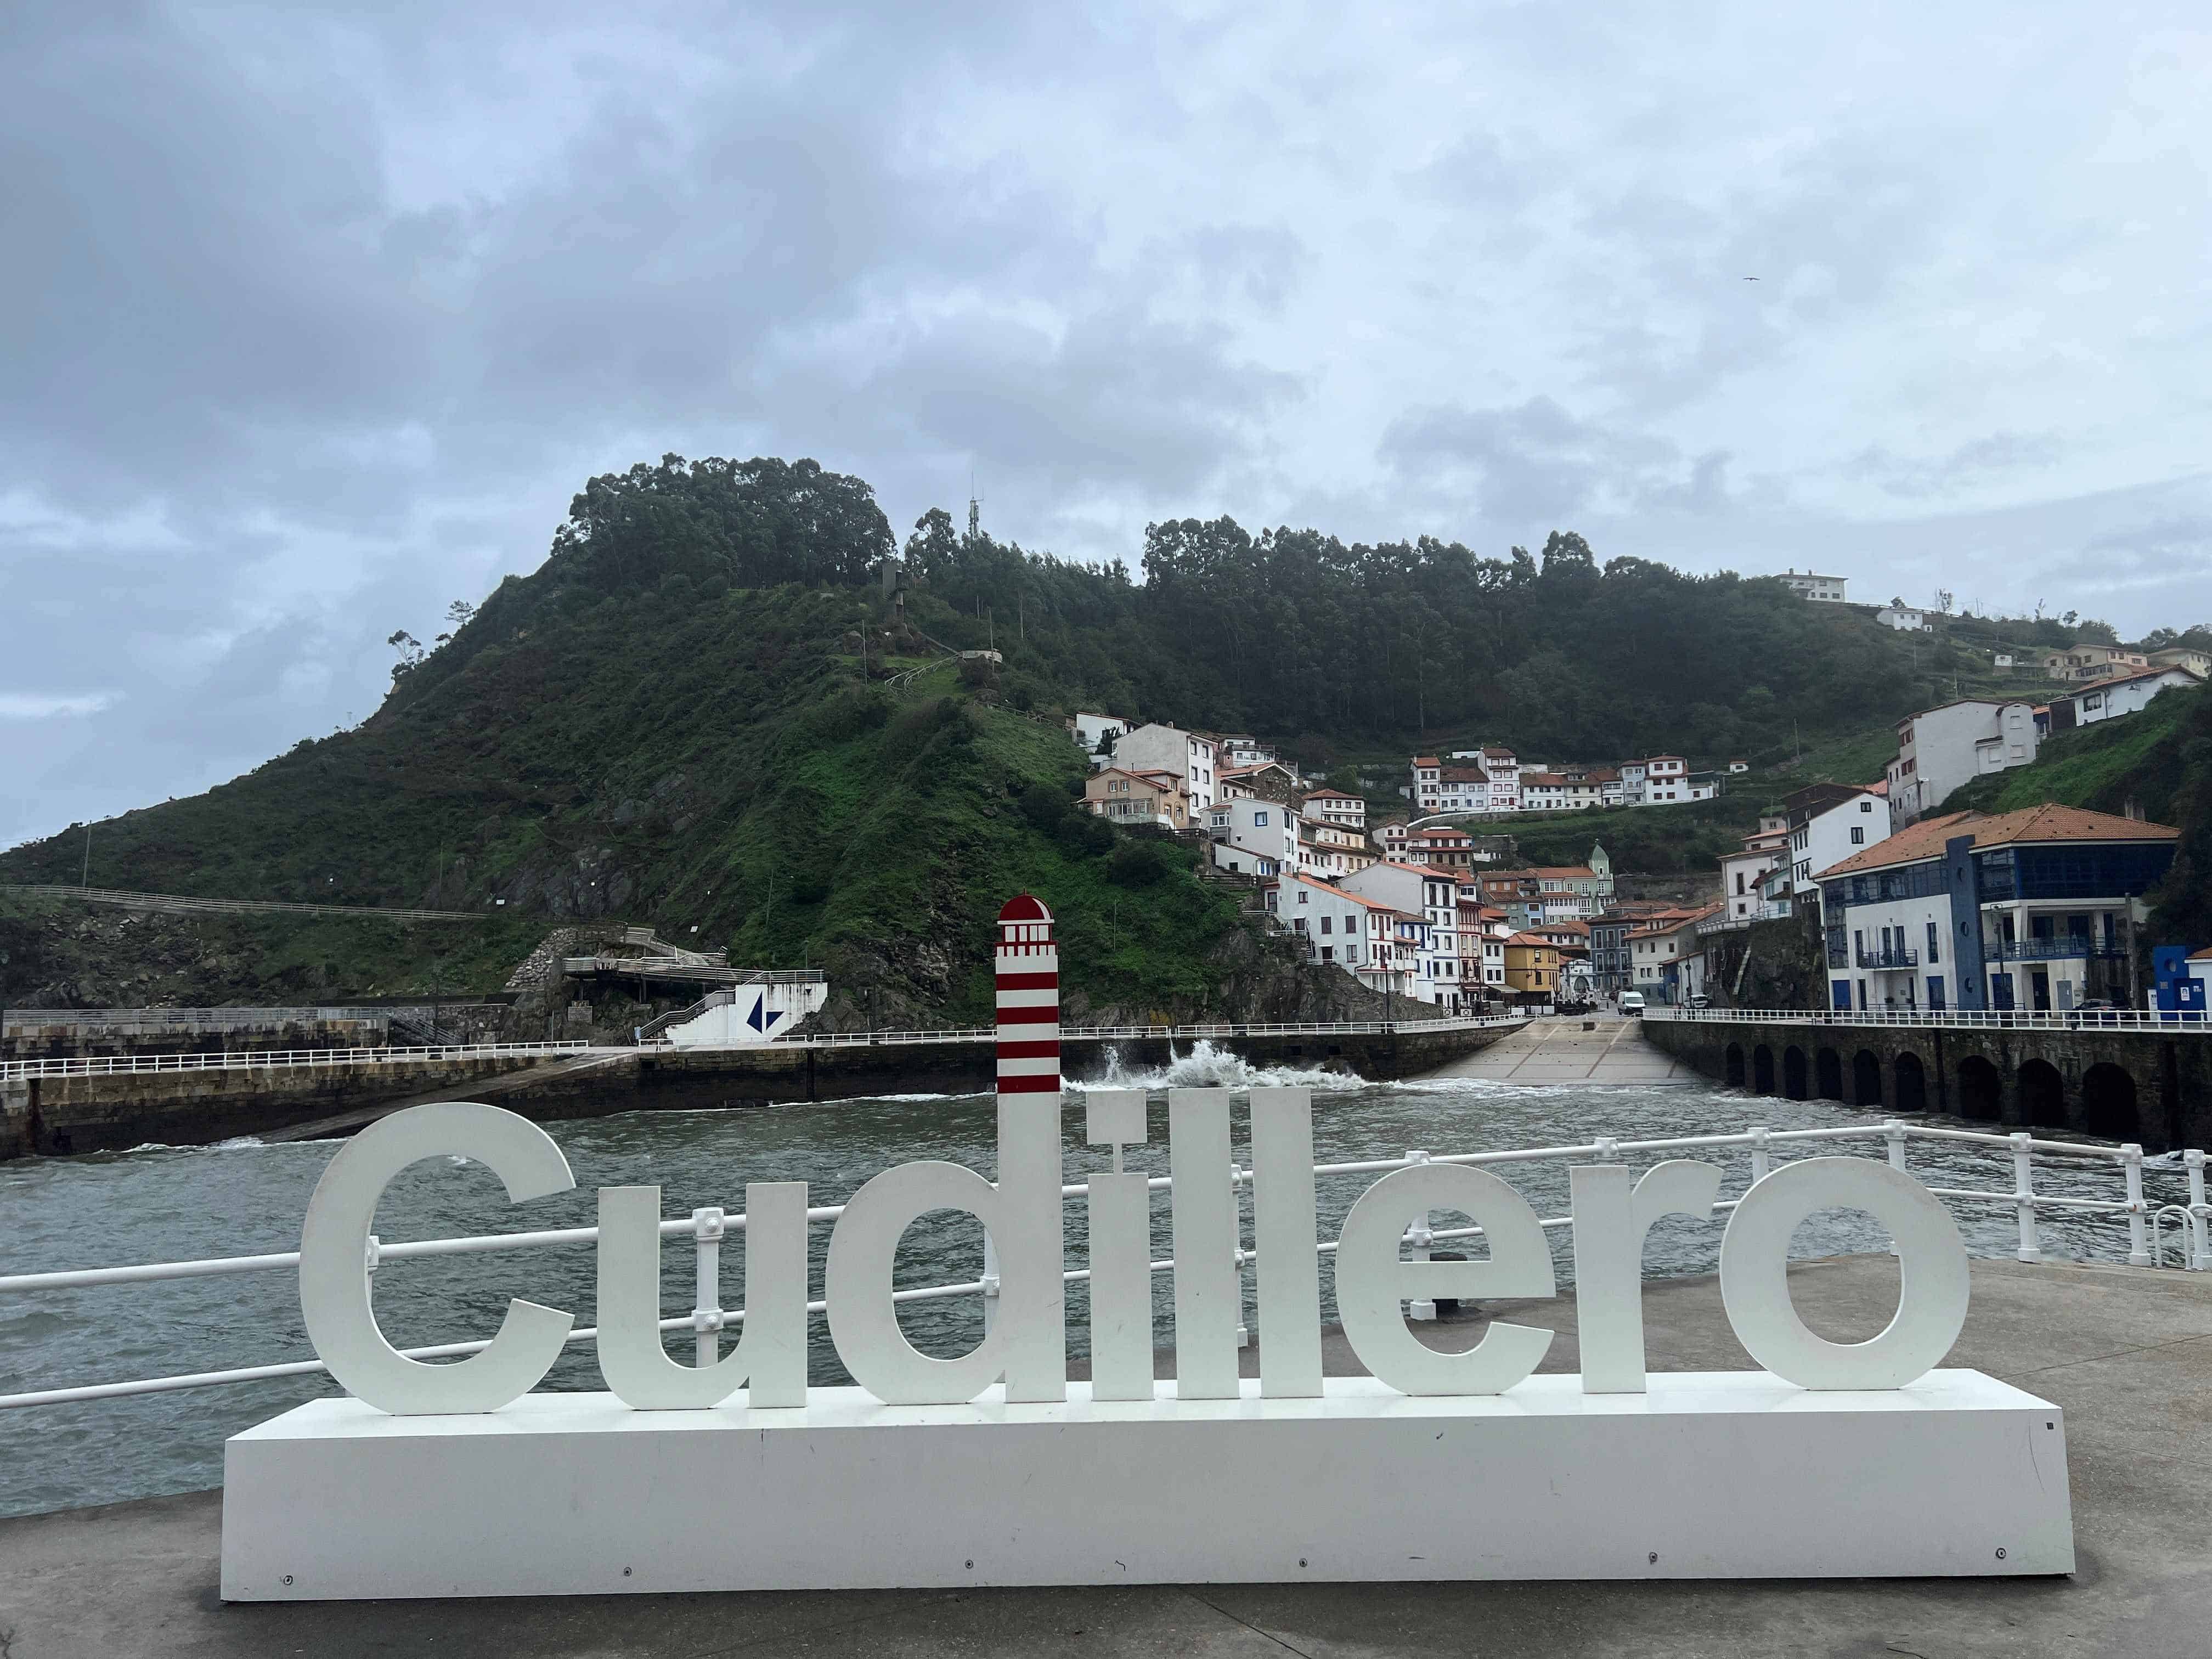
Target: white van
{"points": [[1631, 1002]]}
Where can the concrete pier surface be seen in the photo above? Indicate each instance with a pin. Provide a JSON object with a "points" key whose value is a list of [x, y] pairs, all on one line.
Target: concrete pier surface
{"points": [[1595, 1051], [2126, 1352]]}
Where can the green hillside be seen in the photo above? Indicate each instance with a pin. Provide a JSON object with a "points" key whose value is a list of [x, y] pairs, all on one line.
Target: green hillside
{"points": [[705, 712], [694, 760]]}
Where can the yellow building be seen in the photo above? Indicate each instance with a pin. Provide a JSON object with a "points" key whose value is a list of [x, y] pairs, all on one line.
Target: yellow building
{"points": [[1127, 798], [1532, 965]]}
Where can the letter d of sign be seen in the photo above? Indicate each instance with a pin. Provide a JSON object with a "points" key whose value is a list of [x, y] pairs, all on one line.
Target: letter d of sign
{"points": [[334, 1262], [1931, 1261]]}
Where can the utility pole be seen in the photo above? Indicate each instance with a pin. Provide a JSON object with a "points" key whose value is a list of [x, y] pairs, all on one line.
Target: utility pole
{"points": [[84, 876]]}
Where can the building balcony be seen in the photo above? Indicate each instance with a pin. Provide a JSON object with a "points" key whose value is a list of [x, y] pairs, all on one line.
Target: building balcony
{"points": [[1894, 956], [2068, 947]]}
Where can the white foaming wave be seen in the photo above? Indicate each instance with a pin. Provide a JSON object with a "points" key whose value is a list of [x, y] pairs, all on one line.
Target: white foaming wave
{"points": [[1208, 1067], [235, 1143]]}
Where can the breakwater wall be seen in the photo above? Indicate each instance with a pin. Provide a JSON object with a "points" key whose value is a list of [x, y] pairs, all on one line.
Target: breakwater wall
{"points": [[63, 1115], [2143, 1086]]}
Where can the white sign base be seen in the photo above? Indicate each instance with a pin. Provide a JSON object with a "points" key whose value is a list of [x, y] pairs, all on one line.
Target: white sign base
{"points": [[1709, 1475]]}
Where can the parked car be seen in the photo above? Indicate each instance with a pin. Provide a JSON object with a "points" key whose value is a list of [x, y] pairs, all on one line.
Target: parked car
{"points": [[1631, 1002]]}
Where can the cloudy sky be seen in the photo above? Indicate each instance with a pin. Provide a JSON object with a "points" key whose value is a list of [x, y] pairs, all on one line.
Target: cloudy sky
{"points": [[315, 319]]}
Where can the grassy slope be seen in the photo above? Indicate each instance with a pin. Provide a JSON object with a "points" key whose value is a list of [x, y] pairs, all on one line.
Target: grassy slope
{"points": [[682, 757]]}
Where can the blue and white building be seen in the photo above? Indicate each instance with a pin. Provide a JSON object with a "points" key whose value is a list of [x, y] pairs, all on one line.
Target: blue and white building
{"points": [[2035, 910]]}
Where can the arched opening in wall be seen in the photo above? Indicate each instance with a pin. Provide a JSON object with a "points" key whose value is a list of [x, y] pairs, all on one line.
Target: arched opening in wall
{"points": [[1866, 1078], [1981, 1090], [1793, 1072], [1828, 1070], [1911, 1084], [1762, 1070], [2108, 1102], [1734, 1062], [2042, 1095]]}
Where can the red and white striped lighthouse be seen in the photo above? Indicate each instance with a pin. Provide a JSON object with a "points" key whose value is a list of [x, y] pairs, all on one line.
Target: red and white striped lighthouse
{"points": [[1028, 964]]}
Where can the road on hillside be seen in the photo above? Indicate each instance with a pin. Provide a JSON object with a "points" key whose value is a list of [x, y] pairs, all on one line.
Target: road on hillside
{"points": [[1612, 1050]]}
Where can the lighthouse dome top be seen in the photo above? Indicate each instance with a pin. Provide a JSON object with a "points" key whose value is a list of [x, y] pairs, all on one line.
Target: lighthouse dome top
{"points": [[1023, 908]]}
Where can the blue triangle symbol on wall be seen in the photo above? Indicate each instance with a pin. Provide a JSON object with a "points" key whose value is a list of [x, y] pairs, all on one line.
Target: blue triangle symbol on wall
{"points": [[760, 1019]]}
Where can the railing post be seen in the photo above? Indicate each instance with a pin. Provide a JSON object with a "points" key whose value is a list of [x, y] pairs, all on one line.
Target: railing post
{"points": [[1238, 1255], [990, 1281], [707, 1229], [1893, 1132], [2138, 1249], [1761, 1159], [2023, 1195], [2200, 1214], [1420, 1237]]}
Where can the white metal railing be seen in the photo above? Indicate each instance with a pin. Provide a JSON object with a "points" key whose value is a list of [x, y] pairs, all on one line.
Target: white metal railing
{"points": [[2016, 1019], [707, 1226], [247, 1059], [103, 1065], [1171, 1033]]}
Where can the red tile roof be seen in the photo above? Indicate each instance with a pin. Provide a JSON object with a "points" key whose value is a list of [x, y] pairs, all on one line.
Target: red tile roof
{"points": [[2047, 822], [2140, 674]]}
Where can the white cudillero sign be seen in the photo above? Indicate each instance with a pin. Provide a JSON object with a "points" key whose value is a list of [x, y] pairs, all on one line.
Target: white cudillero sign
{"points": [[1840, 1458]]}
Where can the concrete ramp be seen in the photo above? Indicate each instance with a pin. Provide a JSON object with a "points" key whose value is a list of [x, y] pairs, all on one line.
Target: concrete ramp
{"points": [[1614, 1052]]}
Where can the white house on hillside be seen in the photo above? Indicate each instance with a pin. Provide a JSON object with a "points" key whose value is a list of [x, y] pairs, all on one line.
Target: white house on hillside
{"points": [[1806, 585], [1158, 748], [1359, 935], [1242, 748], [2126, 694], [1905, 619], [2182, 656], [1253, 837], [1826, 834], [1432, 895], [1666, 779], [1090, 730], [1743, 896], [1941, 748], [1334, 806]]}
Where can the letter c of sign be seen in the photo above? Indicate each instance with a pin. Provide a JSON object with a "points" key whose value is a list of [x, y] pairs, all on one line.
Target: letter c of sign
{"points": [[334, 1250], [1931, 1260]]}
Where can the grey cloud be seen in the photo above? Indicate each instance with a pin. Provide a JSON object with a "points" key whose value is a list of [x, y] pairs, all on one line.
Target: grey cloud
{"points": [[1975, 462], [1534, 462], [1117, 397], [318, 317]]}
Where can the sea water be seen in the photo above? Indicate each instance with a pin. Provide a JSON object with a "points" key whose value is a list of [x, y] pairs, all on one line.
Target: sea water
{"points": [[166, 1204]]}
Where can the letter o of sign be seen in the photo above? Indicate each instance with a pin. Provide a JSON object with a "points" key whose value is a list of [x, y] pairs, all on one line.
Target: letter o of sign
{"points": [[1931, 1259]]}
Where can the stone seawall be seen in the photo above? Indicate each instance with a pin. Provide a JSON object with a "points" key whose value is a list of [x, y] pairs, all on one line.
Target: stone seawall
{"points": [[61, 1115], [54, 1117], [2121, 1085]]}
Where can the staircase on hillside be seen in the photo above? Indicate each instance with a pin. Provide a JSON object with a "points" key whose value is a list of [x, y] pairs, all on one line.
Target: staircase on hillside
{"points": [[423, 1028]]}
